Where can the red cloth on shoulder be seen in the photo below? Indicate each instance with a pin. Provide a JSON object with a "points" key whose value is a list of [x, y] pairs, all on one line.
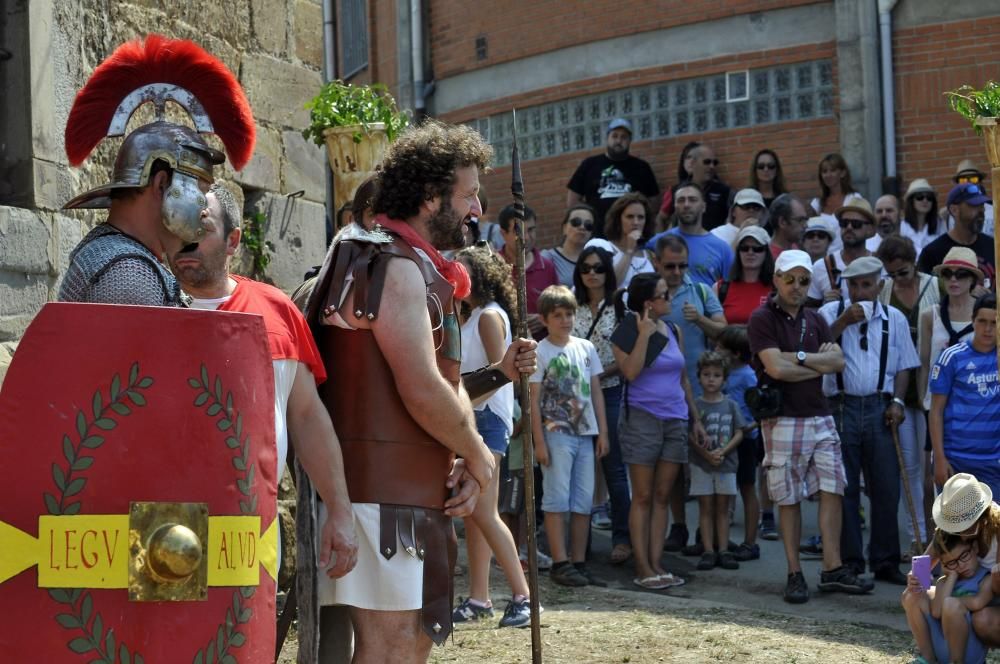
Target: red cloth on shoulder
{"points": [[453, 271], [288, 334]]}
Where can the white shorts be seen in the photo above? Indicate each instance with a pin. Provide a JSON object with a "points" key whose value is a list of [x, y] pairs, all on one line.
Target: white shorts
{"points": [[704, 483], [375, 583]]}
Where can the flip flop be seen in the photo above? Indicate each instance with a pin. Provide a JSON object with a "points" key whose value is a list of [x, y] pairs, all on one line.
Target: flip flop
{"points": [[620, 553], [650, 582], [670, 580]]}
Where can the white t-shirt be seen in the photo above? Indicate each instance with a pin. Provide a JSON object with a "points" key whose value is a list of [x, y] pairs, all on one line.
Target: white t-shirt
{"points": [[501, 402], [566, 404], [639, 263], [726, 232]]}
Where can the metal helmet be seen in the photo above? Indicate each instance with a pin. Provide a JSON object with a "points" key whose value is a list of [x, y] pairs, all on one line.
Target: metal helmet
{"points": [[158, 70]]}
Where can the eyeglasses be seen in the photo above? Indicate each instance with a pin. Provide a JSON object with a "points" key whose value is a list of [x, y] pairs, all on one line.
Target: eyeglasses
{"points": [[901, 273], [815, 235], [855, 223], [789, 279], [962, 558], [597, 268], [747, 248], [948, 273], [670, 267], [710, 162], [968, 179], [923, 196], [767, 166], [576, 222]]}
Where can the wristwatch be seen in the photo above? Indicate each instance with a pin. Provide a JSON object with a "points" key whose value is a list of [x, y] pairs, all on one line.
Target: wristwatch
{"points": [[801, 357], [899, 402]]}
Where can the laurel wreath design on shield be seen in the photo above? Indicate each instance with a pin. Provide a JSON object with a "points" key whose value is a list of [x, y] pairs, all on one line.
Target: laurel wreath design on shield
{"points": [[230, 422], [69, 482]]}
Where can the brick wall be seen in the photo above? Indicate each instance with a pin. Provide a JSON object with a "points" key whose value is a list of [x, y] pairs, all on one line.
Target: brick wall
{"points": [[518, 29], [929, 60]]}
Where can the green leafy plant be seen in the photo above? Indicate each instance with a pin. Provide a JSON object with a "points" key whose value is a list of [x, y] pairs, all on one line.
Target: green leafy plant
{"points": [[254, 241], [340, 104], [971, 103]]}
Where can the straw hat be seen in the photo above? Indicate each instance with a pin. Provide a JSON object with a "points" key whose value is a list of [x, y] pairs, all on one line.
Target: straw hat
{"points": [[961, 502], [967, 167], [859, 205], [960, 258], [920, 185]]}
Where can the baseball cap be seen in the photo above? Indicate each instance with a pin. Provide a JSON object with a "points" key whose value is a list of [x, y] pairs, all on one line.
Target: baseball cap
{"points": [[789, 259], [755, 232], [859, 267], [973, 194], [749, 197], [819, 224], [619, 123]]}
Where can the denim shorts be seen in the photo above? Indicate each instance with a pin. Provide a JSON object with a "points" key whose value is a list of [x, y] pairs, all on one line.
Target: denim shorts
{"points": [[568, 480], [493, 430]]}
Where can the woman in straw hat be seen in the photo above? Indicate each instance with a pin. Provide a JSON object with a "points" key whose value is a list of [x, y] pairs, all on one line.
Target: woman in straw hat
{"points": [[920, 214]]}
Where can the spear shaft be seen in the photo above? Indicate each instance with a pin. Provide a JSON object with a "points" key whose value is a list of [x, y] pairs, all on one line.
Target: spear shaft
{"points": [[528, 452]]}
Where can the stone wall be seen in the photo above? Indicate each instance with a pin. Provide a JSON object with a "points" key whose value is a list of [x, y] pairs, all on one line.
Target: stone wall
{"points": [[273, 46]]}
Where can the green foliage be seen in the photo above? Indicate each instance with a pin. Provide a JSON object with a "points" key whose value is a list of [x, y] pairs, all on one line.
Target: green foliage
{"points": [[340, 104], [253, 240], [971, 103]]}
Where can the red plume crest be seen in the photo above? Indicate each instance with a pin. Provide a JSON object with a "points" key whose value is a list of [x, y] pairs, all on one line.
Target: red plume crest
{"points": [[161, 60]]}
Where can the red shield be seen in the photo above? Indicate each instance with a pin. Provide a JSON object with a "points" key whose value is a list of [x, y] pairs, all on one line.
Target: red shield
{"points": [[106, 406]]}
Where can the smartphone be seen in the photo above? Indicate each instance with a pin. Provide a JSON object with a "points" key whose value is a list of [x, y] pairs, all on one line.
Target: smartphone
{"points": [[922, 570]]}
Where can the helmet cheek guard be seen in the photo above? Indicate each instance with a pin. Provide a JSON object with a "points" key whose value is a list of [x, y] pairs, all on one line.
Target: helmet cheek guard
{"points": [[183, 203]]}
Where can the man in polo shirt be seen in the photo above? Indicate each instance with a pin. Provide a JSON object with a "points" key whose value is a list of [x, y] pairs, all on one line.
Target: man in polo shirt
{"points": [[539, 272], [602, 178], [709, 257], [857, 224], [867, 400], [788, 220], [747, 209], [965, 403], [793, 349], [966, 204]]}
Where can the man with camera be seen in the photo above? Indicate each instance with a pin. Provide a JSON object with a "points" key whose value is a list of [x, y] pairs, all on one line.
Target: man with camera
{"points": [[792, 350]]}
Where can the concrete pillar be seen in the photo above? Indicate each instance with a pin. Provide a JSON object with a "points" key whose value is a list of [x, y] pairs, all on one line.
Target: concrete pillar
{"points": [[860, 96]]}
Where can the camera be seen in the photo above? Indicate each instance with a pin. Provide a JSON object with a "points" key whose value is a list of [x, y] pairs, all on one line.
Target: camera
{"points": [[764, 401]]}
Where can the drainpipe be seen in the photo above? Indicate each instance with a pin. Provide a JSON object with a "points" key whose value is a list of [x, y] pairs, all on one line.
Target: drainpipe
{"points": [[891, 181], [329, 74], [417, 59]]}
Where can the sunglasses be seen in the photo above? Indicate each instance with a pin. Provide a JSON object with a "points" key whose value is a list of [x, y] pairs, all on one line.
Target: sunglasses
{"points": [[789, 279], [596, 269], [948, 273], [767, 166], [856, 224], [968, 179], [923, 196], [962, 558], [576, 222], [863, 334], [710, 162], [815, 235], [670, 267], [899, 274], [747, 248]]}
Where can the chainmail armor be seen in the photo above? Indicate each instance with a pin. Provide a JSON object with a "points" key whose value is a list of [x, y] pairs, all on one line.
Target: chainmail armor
{"points": [[110, 267]]}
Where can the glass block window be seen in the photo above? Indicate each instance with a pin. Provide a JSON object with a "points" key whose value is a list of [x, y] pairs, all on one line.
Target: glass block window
{"points": [[732, 100], [353, 36]]}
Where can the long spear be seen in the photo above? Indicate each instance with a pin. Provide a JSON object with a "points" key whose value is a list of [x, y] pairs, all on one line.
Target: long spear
{"points": [[517, 190]]}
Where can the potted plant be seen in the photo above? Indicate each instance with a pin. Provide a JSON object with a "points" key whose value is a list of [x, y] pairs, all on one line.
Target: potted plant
{"points": [[982, 109], [356, 123]]}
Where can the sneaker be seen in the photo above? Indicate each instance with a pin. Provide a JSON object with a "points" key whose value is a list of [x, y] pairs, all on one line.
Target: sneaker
{"points": [[796, 590], [467, 612], [813, 546], [600, 519], [843, 579], [727, 560], [693, 550], [768, 531], [746, 551], [708, 561], [544, 561], [591, 579], [567, 575], [518, 614], [677, 538]]}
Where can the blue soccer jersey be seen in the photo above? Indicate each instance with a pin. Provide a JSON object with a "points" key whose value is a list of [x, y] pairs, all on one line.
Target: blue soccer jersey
{"points": [[972, 415]]}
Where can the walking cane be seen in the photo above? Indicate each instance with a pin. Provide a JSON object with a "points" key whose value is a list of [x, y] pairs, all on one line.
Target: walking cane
{"points": [[517, 189], [906, 487]]}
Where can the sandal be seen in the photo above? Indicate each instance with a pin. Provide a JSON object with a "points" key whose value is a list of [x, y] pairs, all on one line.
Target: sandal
{"points": [[670, 580], [655, 582], [620, 553]]}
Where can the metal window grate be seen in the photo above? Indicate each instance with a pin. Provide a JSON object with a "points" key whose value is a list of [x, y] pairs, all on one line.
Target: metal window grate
{"points": [[719, 102], [353, 36]]}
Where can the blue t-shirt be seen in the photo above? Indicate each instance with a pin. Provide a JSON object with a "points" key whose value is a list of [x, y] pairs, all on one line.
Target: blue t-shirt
{"points": [[972, 415], [739, 381], [706, 302], [709, 258]]}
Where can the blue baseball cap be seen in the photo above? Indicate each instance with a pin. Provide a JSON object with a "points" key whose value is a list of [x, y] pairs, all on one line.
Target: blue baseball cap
{"points": [[619, 123], [973, 194]]}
